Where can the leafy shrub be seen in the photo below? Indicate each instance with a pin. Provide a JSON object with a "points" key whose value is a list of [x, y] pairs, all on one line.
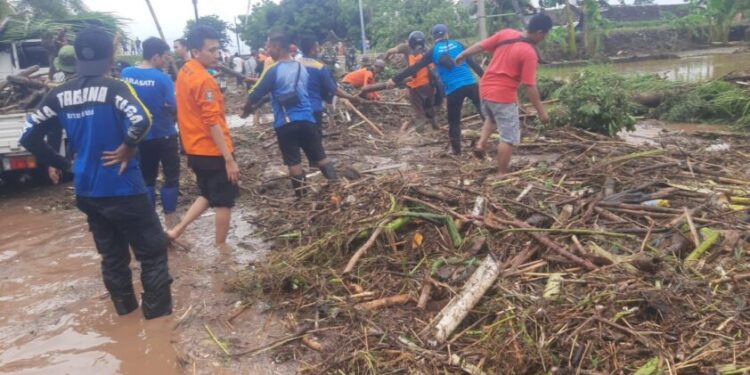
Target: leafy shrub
{"points": [[595, 100]]}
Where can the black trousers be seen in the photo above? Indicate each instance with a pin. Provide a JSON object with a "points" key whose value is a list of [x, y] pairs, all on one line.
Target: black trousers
{"points": [[160, 150], [455, 104], [118, 223]]}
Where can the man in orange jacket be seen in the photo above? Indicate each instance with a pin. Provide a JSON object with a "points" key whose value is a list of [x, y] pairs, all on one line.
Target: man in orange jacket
{"points": [[365, 76], [205, 134], [421, 86]]}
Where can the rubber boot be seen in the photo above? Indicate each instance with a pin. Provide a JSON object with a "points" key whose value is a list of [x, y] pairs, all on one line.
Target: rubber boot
{"points": [[298, 184], [419, 125], [329, 172], [456, 146], [151, 195], [156, 303], [169, 199], [124, 302], [433, 122]]}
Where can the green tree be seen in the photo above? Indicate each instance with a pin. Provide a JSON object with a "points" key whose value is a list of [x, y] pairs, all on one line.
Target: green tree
{"points": [[214, 22], [387, 22], [720, 14], [392, 24]]}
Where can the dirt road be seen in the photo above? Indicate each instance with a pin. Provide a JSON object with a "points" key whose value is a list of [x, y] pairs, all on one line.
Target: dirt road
{"points": [[56, 316]]}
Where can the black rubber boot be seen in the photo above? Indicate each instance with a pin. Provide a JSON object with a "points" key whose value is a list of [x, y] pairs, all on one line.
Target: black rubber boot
{"points": [[125, 302], [456, 146], [156, 303], [298, 184], [329, 172], [433, 122]]}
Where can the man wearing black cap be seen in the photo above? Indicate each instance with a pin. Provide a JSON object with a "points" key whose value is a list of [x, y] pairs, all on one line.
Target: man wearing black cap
{"points": [[105, 121], [458, 81]]}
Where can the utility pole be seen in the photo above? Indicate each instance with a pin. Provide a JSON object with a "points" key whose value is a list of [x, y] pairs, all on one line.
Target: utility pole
{"points": [[161, 33], [195, 8], [482, 20], [237, 34], [362, 26]]}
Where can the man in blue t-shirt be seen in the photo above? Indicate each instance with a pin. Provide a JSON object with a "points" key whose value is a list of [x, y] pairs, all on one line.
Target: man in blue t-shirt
{"points": [[156, 89], [294, 123], [321, 87], [457, 79], [105, 121]]}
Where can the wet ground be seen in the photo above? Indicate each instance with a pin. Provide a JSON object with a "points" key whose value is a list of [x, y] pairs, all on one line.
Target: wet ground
{"points": [[651, 132], [691, 66], [56, 316]]}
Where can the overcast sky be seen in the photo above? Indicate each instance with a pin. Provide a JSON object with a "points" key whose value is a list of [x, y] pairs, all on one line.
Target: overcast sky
{"points": [[172, 14]]}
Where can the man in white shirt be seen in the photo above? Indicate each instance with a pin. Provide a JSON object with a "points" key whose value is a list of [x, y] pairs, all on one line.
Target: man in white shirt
{"points": [[238, 64]]}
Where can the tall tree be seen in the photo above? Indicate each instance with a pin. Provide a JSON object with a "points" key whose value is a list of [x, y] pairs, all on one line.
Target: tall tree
{"points": [[214, 22], [387, 21], [720, 14]]}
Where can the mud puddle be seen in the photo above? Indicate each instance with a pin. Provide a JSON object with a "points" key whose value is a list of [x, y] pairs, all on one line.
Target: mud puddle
{"points": [[56, 316]]}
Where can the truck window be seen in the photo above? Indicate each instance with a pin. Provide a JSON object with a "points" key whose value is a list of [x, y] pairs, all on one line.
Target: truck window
{"points": [[32, 53]]}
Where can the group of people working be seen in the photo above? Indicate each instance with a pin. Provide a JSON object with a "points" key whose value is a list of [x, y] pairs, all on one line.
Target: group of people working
{"points": [[109, 122]]}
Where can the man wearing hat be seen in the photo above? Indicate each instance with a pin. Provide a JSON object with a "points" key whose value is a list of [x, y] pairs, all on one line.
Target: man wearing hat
{"points": [[458, 81], [105, 121], [365, 76], [65, 64]]}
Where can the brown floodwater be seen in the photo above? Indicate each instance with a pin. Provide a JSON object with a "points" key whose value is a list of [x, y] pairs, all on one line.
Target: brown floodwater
{"points": [[56, 316], [648, 132], [691, 66]]}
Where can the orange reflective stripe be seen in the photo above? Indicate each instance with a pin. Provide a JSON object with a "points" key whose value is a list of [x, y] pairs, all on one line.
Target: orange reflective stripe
{"points": [[423, 75]]}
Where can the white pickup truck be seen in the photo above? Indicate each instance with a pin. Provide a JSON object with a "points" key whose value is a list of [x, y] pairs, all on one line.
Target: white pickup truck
{"points": [[15, 162]]}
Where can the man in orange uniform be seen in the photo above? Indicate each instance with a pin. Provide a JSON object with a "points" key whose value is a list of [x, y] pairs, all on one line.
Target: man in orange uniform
{"points": [[205, 135], [421, 88], [365, 76]]}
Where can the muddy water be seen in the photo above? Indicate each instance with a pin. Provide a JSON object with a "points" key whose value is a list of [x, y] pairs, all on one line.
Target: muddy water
{"points": [[692, 66], [648, 132], [56, 317]]}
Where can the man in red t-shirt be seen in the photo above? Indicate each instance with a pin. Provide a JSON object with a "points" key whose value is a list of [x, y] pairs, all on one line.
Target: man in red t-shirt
{"points": [[514, 62]]}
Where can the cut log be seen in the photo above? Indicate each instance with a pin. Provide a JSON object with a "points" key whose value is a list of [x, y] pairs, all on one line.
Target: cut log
{"points": [[458, 308], [26, 82], [374, 87], [28, 71], [399, 299]]}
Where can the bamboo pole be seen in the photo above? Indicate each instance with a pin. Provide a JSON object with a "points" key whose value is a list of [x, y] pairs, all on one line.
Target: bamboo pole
{"points": [[371, 124], [161, 33]]}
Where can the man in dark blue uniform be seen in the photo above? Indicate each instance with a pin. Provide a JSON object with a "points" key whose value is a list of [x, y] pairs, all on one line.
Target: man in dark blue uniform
{"points": [[105, 121], [161, 146], [294, 123]]}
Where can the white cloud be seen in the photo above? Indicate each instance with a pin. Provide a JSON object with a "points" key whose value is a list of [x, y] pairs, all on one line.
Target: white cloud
{"points": [[172, 14]]}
